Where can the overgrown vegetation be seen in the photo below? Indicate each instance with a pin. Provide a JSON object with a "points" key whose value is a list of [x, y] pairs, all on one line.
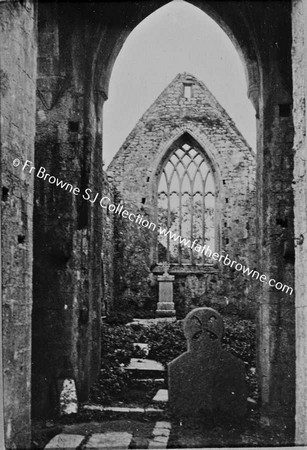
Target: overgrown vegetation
{"points": [[117, 349], [166, 341]]}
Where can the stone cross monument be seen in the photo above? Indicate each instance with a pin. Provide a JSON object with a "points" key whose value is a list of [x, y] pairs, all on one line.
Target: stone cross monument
{"points": [[166, 306]]}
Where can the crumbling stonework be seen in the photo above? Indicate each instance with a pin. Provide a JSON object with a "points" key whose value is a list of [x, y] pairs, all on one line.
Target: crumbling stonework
{"points": [[108, 244], [276, 319], [136, 171], [17, 127], [299, 15], [67, 293], [78, 45], [263, 39]]}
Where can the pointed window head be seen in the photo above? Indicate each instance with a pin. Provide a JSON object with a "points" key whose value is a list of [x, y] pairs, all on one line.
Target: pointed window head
{"points": [[186, 205]]}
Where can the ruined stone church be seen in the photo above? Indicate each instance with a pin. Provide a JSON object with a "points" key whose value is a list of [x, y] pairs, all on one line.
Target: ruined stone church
{"points": [[57, 254], [185, 167]]}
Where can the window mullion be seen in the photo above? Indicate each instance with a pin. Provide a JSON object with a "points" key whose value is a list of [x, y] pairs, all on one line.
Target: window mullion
{"points": [[168, 220], [204, 203], [182, 163], [180, 225], [203, 221], [191, 231]]}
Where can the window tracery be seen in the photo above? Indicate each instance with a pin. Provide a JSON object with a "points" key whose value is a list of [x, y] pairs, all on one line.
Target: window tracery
{"points": [[186, 205]]}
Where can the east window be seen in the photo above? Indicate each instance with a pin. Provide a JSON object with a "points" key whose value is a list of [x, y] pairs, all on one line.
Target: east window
{"points": [[186, 206]]}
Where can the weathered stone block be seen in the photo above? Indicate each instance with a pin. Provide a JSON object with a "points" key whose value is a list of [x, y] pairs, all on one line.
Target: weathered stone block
{"points": [[111, 439], [65, 442]]}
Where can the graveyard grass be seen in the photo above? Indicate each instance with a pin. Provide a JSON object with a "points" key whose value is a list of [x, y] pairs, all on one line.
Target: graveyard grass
{"points": [[115, 386]]}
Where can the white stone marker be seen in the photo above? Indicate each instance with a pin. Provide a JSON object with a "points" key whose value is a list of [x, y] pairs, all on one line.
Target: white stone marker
{"points": [[161, 396], [68, 397]]}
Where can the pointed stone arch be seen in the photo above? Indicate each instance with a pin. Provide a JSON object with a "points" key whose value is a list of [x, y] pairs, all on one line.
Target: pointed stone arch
{"points": [[136, 168], [263, 36], [192, 134], [267, 61], [263, 33], [247, 48], [206, 150]]}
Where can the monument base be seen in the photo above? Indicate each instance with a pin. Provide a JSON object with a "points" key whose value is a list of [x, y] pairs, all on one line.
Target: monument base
{"points": [[166, 306], [165, 313]]}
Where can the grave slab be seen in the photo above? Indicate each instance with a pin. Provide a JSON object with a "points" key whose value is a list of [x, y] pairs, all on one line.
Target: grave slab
{"points": [[65, 442], [111, 439], [145, 364], [149, 322]]}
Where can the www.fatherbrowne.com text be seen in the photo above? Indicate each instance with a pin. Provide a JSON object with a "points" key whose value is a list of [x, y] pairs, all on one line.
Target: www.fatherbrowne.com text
{"points": [[105, 203]]}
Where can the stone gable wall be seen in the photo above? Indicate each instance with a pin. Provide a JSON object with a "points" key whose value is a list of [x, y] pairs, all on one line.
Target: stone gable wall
{"points": [[134, 173], [299, 15]]}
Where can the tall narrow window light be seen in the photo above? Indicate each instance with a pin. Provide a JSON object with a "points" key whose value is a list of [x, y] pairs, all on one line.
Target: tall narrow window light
{"points": [[187, 91], [186, 206]]}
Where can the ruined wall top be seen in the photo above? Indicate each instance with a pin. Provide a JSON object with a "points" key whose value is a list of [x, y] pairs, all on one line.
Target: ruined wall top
{"points": [[186, 106]]}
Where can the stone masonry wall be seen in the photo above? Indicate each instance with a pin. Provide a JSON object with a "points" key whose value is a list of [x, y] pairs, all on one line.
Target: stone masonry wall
{"points": [[275, 220], [299, 15], [67, 292], [17, 127], [262, 32], [134, 170], [108, 251], [68, 35]]}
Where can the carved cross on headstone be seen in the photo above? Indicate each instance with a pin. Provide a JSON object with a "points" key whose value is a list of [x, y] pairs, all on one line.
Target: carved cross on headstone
{"points": [[206, 379], [202, 328]]}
